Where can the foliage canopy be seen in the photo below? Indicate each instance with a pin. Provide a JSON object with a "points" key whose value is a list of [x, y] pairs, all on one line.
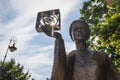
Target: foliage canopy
{"points": [[13, 71]]}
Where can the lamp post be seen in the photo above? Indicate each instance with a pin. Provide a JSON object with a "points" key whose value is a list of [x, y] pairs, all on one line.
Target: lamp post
{"points": [[12, 48]]}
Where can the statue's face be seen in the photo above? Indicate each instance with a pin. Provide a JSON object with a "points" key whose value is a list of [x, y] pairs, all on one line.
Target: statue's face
{"points": [[78, 32]]}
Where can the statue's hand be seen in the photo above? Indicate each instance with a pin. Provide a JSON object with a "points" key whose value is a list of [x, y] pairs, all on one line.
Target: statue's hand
{"points": [[47, 31], [57, 35]]}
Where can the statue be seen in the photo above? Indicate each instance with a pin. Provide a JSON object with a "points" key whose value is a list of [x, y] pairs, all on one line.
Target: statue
{"points": [[82, 63]]}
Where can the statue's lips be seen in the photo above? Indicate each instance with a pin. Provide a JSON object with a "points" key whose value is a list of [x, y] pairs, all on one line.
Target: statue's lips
{"points": [[78, 37], [79, 41]]}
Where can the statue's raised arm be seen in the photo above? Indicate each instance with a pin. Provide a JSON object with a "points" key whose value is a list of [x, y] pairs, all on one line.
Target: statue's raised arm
{"points": [[59, 66]]}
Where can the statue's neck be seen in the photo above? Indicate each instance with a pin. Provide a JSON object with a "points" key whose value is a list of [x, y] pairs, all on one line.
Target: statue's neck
{"points": [[80, 45]]}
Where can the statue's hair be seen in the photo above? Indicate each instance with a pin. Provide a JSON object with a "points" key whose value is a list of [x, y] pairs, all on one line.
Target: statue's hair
{"points": [[84, 24]]}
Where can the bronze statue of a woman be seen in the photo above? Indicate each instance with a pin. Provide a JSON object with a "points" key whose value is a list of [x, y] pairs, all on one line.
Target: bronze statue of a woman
{"points": [[82, 63]]}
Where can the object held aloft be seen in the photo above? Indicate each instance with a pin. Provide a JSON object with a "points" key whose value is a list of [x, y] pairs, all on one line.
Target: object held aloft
{"points": [[50, 19]]}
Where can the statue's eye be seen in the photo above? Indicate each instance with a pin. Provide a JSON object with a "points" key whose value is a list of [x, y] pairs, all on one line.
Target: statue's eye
{"points": [[79, 29], [75, 29]]}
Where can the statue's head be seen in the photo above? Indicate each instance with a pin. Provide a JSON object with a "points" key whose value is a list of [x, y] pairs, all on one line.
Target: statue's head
{"points": [[79, 31]]}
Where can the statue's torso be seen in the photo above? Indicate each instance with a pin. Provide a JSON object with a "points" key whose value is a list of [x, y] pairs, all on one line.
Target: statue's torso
{"points": [[85, 66]]}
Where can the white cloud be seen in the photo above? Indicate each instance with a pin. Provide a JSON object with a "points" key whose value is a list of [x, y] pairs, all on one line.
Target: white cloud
{"points": [[34, 6], [34, 58]]}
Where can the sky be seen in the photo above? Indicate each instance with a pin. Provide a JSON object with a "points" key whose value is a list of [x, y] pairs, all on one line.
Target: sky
{"points": [[34, 50]]}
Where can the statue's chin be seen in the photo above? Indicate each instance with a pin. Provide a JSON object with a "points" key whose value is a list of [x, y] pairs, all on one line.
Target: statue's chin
{"points": [[79, 41]]}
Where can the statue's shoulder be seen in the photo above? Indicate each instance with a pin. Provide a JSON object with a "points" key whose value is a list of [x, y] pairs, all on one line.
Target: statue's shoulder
{"points": [[71, 57], [99, 56], [72, 53], [96, 53]]}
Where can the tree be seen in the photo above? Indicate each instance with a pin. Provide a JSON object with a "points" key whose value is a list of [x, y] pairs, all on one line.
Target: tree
{"points": [[13, 71], [104, 19]]}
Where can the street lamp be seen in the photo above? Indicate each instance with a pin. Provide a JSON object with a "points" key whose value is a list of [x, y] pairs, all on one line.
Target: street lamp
{"points": [[11, 47], [49, 19]]}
